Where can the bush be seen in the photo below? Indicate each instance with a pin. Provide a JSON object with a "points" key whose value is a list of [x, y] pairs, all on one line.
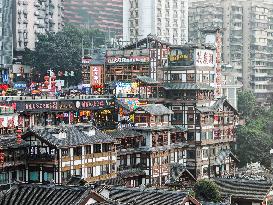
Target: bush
{"points": [[206, 190]]}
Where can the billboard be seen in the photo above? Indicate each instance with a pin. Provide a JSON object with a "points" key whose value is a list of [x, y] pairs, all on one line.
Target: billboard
{"points": [[19, 69], [181, 57], [128, 60], [204, 57], [127, 89], [95, 74]]}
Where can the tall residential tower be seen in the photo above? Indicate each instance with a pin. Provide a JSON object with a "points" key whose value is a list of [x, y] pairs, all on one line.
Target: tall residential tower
{"points": [[167, 19], [247, 27], [35, 17]]}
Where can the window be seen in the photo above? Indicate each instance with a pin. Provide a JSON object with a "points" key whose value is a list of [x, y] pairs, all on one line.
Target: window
{"points": [[105, 147], [88, 149], [97, 148], [190, 136], [190, 118], [90, 172], [190, 154], [205, 154], [65, 152], [77, 151]]}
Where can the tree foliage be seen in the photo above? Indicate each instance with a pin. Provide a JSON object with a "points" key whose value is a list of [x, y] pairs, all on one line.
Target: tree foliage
{"points": [[246, 103], [255, 137], [61, 51], [206, 190]]}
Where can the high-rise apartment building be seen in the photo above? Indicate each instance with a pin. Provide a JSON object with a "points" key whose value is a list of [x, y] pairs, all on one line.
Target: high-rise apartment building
{"points": [[6, 33], [105, 15], [166, 19], [35, 17], [247, 27]]}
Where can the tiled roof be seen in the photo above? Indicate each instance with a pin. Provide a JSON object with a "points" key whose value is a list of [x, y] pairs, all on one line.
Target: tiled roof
{"points": [[222, 156], [156, 109], [45, 194], [124, 133], [139, 196], [180, 128], [216, 105], [177, 170], [147, 79], [131, 173], [73, 136], [187, 86], [10, 141], [243, 189]]}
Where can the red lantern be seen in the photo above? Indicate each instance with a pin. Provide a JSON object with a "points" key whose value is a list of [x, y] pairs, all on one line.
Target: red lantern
{"points": [[5, 87], [2, 157], [46, 78], [53, 77], [53, 82], [46, 83], [19, 139], [19, 131]]}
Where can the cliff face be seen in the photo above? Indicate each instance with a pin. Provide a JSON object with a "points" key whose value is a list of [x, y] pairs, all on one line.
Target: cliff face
{"points": [[105, 15]]}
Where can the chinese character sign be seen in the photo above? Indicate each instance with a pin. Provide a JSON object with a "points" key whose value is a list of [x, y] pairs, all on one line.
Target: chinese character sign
{"points": [[204, 57], [95, 73], [218, 76]]}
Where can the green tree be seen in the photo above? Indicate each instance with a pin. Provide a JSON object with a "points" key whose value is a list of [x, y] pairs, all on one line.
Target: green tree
{"points": [[62, 51], [206, 190], [246, 103], [255, 139]]}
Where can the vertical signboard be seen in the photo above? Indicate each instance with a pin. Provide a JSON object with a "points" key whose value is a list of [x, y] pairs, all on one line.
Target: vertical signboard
{"points": [[95, 75], [218, 76]]}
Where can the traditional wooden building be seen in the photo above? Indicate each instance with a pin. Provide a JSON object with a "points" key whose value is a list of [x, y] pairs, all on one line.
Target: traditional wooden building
{"points": [[57, 153], [217, 137], [69, 110], [12, 160], [130, 156], [143, 58], [190, 92], [163, 143]]}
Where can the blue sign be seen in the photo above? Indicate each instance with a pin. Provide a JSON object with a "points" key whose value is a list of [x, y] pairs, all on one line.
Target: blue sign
{"points": [[20, 86], [5, 77]]}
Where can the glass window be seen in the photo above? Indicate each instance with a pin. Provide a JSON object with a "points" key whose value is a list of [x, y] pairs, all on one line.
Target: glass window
{"points": [[97, 148], [88, 149]]}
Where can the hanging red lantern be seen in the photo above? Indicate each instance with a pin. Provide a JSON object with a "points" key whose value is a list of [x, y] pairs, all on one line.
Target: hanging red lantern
{"points": [[53, 83], [53, 77], [19, 131], [46, 83], [2, 156], [46, 78], [19, 139], [5, 87]]}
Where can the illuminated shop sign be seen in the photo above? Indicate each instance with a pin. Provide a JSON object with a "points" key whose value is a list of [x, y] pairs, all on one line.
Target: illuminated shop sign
{"points": [[63, 105], [127, 89], [128, 60], [95, 73], [181, 57]]}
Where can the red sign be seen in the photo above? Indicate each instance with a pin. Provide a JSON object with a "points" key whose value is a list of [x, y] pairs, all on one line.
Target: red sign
{"points": [[95, 73]]}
